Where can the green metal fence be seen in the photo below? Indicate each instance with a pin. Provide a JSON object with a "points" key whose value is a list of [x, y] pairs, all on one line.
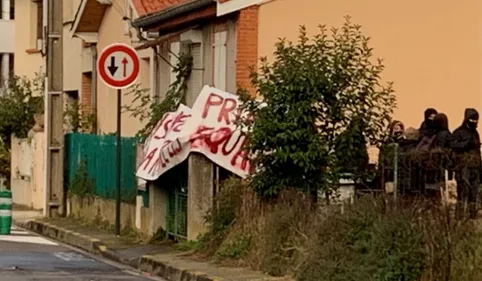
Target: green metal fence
{"points": [[175, 184], [99, 155]]}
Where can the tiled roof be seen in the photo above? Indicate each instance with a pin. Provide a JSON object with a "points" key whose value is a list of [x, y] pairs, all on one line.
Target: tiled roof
{"points": [[146, 7]]}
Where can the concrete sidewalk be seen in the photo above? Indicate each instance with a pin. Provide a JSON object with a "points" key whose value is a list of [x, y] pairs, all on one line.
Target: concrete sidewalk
{"points": [[159, 260]]}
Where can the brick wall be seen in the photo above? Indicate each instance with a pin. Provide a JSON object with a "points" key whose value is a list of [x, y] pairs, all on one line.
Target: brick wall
{"points": [[246, 45], [86, 91], [144, 7]]}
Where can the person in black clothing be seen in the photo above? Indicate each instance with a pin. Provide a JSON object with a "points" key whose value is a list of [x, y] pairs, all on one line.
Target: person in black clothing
{"points": [[426, 128], [468, 163], [444, 139], [394, 146]]}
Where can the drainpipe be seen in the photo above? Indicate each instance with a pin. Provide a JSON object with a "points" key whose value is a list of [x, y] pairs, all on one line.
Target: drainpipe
{"points": [[94, 87], [155, 74], [46, 109], [5, 56]]}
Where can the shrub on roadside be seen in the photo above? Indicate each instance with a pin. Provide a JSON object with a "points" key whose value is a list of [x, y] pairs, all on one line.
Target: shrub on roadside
{"points": [[221, 217], [370, 240], [416, 242]]}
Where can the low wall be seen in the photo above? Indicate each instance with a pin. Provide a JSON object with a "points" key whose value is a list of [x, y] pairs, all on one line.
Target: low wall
{"points": [[93, 208], [27, 168]]}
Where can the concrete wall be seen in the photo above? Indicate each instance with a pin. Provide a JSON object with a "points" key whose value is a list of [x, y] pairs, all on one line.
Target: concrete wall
{"points": [[95, 208], [27, 59], [27, 167], [432, 49]]}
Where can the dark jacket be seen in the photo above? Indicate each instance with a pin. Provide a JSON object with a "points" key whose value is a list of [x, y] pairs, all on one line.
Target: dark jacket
{"points": [[427, 126], [444, 139], [469, 154]]}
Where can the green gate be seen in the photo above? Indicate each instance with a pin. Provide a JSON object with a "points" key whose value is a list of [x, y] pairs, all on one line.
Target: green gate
{"points": [[175, 183]]}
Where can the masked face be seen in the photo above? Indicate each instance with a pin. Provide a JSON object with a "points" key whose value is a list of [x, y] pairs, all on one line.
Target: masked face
{"points": [[397, 131], [472, 123], [397, 135], [431, 117]]}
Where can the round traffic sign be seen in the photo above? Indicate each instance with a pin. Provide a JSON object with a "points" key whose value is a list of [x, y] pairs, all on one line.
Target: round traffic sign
{"points": [[118, 65]]}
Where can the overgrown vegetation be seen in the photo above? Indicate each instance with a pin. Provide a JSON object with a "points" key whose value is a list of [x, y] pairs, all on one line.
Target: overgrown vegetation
{"points": [[78, 118], [82, 184], [312, 92], [147, 108], [321, 103], [20, 101], [370, 240]]}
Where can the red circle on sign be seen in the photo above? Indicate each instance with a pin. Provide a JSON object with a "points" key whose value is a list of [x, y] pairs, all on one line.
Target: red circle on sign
{"points": [[109, 50]]}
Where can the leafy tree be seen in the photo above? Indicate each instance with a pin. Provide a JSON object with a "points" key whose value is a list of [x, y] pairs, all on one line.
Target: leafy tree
{"points": [[20, 100], [308, 95]]}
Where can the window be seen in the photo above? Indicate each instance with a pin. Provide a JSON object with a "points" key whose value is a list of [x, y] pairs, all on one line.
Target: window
{"points": [[220, 64], [40, 16], [11, 66], [12, 10]]}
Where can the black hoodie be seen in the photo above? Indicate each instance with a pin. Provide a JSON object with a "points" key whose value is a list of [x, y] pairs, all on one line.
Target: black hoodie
{"points": [[444, 139], [426, 128], [469, 155]]}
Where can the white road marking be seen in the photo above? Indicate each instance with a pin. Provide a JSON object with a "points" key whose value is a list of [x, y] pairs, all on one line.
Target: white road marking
{"points": [[27, 239], [19, 232], [71, 256], [21, 236]]}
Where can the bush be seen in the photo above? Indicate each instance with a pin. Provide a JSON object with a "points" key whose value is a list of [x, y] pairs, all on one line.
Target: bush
{"points": [[312, 92], [415, 242], [19, 102], [82, 184], [221, 217], [370, 240]]}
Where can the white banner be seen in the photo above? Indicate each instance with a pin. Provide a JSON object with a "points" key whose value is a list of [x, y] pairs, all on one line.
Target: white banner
{"points": [[208, 128]]}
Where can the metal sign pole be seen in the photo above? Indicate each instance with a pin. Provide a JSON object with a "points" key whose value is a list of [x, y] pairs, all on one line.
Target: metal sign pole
{"points": [[118, 164], [108, 67]]}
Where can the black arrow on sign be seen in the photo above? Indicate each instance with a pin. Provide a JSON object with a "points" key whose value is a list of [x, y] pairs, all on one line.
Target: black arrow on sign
{"points": [[112, 68]]}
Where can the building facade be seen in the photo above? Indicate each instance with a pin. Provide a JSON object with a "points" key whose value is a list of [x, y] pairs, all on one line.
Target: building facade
{"points": [[7, 45], [222, 38]]}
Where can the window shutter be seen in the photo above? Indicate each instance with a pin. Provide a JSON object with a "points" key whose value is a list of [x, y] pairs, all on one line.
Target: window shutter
{"points": [[220, 60], [196, 79], [173, 59]]}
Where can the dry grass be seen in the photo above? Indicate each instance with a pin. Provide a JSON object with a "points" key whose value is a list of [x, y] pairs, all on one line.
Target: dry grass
{"points": [[374, 239]]}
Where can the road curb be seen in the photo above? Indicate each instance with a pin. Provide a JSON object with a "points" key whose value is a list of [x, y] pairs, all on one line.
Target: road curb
{"points": [[95, 246]]}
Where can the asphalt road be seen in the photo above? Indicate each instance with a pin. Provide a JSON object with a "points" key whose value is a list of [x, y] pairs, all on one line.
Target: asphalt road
{"points": [[28, 257]]}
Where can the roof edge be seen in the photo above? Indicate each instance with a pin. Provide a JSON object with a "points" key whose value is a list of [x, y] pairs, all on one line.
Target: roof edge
{"points": [[78, 15], [171, 12]]}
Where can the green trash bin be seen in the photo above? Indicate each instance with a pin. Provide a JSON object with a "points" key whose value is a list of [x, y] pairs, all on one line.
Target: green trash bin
{"points": [[5, 212]]}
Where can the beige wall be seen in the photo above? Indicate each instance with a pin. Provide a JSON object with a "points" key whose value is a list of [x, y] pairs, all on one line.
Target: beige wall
{"points": [[96, 209], [432, 49], [112, 31], [26, 64], [72, 60], [70, 8], [27, 168], [72, 48]]}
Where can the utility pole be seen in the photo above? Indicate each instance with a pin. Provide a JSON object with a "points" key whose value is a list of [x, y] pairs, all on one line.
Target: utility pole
{"points": [[55, 197]]}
